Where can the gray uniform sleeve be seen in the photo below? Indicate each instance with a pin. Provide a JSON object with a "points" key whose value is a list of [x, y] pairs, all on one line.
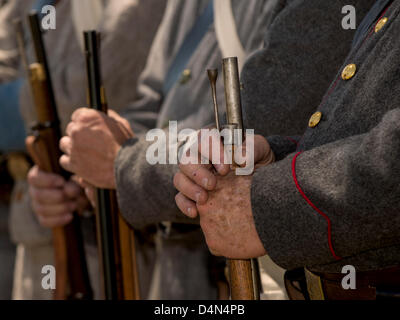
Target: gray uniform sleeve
{"points": [[332, 202], [178, 18], [136, 179], [282, 146]]}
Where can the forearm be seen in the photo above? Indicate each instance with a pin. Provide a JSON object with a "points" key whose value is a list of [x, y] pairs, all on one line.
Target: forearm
{"points": [[145, 192]]}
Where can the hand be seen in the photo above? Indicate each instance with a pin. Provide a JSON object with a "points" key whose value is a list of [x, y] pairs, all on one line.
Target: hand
{"points": [[227, 220], [89, 190], [194, 181], [92, 143], [53, 199]]}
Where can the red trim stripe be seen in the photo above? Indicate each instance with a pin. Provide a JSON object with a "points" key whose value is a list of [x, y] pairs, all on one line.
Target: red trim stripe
{"points": [[292, 140], [314, 207]]}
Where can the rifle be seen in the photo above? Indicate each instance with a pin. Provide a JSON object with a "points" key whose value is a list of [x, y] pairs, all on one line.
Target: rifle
{"points": [[116, 239], [72, 277], [243, 274]]}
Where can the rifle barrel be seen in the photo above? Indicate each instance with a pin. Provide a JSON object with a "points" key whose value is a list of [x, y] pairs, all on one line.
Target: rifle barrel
{"points": [[41, 57], [106, 224], [70, 256], [244, 280]]}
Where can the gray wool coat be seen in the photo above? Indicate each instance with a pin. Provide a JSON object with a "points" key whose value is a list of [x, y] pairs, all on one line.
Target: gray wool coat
{"points": [[145, 192], [333, 199], [67, 66], [127, 35], [189, 103]]}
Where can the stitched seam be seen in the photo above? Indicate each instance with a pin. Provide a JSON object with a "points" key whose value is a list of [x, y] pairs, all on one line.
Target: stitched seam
{"points": [[325, 216]]}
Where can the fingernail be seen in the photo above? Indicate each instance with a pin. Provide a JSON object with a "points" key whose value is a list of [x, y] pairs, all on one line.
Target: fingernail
{"points": [[198, 195], [205, 183], [192, 212]]}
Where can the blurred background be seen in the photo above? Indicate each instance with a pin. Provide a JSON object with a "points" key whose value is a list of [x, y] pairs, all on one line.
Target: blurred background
{"points": [[7, 249]]}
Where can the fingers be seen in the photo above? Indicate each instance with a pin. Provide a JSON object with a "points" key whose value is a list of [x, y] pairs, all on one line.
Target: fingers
{"points": [[212, 148], [46, 196], [122, 122], [49, 198], [186, 206], [190, 189], [85, 115], [257, 150], [200, 175], [54, 222], [90, 194], [66, 145], [66, 163], [53, 210], [41, 179], [89, 190], [72, 190]]}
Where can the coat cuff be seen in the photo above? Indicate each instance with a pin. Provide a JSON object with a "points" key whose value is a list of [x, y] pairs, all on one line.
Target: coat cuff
{"points": [[283, 146], [292, 232], [146, 194]]}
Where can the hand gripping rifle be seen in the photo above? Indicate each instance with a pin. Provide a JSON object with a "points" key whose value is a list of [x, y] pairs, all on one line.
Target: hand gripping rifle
{"points": [[72, 278], [116, 239], [243, 274]]}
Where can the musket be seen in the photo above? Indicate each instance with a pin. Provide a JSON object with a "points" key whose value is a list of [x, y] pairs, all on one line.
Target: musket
{"points": [[243, 274], [116, 239], [72, 277]]}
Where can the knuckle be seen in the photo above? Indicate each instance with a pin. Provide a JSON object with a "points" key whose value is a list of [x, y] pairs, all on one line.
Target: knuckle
{"points": [[33, 193], [58, 197], [32, 175], [74, 131], [125, 123], [38, 209], [64, 142], [177, 180], [65, 162], [87, 116]]}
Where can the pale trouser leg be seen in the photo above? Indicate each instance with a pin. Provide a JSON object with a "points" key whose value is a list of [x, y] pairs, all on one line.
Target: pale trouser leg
{"points": [[28, 272], [92, 260], [272, 279]]}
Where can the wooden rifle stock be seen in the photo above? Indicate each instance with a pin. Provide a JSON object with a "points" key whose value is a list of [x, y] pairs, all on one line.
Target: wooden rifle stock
{"points": [[244, 275], [72, 278], [116, 239]]}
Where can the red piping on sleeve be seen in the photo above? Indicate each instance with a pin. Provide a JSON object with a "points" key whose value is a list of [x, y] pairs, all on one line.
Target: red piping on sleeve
{"points": [[314, 207], [292, 140]]}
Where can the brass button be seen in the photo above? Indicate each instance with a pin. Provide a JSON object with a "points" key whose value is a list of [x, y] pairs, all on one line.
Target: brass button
{"points": [[315, 119], [381, 23], [349, 71], [186, 76]]}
